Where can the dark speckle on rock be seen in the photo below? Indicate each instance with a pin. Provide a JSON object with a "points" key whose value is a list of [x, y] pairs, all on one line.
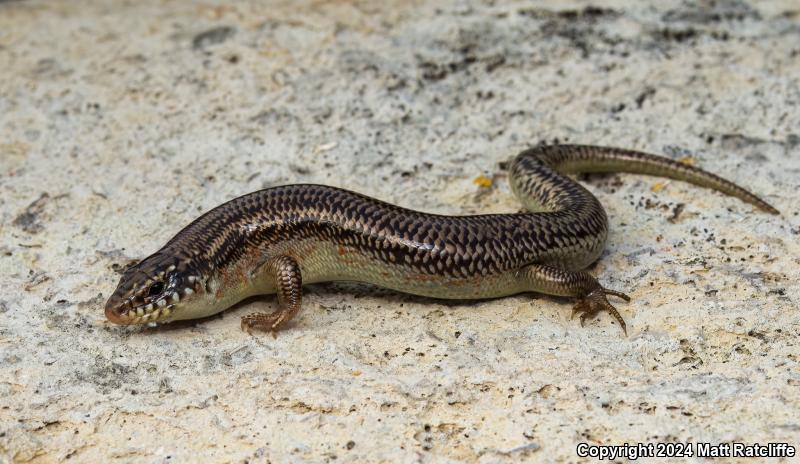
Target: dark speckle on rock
{"points": [[712, 11], [213, 36], [28, 220], [676, 212]]}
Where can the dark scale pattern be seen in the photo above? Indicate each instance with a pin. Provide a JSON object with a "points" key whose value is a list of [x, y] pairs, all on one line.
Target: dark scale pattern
{"points": [[439, 245], [409, 250], [571, 231]]}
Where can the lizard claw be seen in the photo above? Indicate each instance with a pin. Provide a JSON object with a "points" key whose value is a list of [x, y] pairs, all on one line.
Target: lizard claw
{"points": [[595, 301]]}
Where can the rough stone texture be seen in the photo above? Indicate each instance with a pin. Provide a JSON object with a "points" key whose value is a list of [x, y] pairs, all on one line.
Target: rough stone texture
{"points": [[120, 121]]}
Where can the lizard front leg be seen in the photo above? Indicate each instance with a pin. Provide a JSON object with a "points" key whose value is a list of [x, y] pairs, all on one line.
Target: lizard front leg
{"points": [[288, 284]]}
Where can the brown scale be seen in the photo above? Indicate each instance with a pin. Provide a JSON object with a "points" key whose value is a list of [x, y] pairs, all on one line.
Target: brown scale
{"points": [[273, 240]]}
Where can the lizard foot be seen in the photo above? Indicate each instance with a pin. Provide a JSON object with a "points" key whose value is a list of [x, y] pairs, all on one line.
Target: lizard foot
{"points": [[264, 322], [595, 301]]}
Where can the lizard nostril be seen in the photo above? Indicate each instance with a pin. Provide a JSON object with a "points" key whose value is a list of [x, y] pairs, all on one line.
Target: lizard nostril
{"points": [[111, 315], [112, 311]]}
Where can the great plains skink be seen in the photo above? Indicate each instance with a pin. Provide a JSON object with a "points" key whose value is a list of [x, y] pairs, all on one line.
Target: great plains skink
{"points": [[277, 239]]}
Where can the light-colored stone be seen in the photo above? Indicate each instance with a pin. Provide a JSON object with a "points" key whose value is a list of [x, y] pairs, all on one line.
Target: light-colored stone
{"points": [[121, 121]]}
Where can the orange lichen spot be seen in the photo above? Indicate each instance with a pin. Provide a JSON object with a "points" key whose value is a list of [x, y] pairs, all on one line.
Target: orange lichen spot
{"points": [[356, 373], [482, 181], [658, 186], [342, 251], [214, 12]]}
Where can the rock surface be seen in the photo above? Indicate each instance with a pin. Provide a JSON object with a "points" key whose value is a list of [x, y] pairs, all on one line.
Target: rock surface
{"points": [[122, 121]]}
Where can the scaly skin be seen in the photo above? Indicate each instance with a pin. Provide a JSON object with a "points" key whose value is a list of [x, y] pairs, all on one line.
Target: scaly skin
{"points": [[274, 240]]}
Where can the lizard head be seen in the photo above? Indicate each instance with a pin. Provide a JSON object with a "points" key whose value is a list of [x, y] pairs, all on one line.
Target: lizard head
{"points": [[157, 289]]}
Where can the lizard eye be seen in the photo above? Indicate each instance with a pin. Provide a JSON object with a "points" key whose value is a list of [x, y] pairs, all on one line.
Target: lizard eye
{"points": [[155, 289]]}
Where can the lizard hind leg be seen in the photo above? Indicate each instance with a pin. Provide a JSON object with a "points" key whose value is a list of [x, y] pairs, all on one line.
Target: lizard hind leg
{"points": [[581, 285], [288, 284]]}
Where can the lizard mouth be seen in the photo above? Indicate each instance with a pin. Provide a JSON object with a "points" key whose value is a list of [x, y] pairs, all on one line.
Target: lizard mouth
{"points": [[125, 313]]}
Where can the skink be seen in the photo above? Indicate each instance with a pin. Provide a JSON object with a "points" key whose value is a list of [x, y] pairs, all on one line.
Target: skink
{"points": [[277, 239]]}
